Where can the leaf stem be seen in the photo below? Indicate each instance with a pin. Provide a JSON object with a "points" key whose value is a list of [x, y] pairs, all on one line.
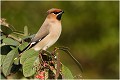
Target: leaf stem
{"points": [[13, 37]]}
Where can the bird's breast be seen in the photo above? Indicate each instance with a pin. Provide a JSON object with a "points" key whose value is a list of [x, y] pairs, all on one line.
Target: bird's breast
{"points": [[55, 29]]}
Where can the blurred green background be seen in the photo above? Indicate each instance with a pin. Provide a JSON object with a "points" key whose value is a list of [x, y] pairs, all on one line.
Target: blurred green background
{"points": [[89, 28]]}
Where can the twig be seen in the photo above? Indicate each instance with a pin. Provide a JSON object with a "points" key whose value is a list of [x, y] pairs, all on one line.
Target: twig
{"points": [[58, 66], [10, 36]]}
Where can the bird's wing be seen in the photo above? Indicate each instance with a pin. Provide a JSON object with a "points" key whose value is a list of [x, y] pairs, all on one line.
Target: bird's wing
{"points": [[43, 32]]}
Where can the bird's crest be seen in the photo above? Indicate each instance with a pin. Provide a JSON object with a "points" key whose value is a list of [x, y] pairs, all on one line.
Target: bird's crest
{"points": [[54, 10]]}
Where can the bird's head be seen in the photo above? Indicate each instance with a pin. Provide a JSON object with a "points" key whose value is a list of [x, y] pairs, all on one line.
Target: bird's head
{"points": [[55, 13]]}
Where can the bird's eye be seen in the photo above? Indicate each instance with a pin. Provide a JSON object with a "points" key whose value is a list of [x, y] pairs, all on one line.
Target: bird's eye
{"points": [[55, 12]]}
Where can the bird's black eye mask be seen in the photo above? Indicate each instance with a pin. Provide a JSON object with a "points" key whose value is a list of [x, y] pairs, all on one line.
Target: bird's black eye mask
{"points": [[56, 12], [59, 14]]}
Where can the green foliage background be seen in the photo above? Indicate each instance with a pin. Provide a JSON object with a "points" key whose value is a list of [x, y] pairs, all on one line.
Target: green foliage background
{"points": [[90, 30]]}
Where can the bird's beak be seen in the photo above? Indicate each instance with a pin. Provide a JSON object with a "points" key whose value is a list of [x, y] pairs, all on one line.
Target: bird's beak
{"points": [[60, 15], [61, 12]]}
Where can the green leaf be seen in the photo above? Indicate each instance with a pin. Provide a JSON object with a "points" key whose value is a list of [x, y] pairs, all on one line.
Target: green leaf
{"points": [[12, 47], [28, 38], [2, 37], [16, 61], [66, 73], [6, 30], [2, 57], [28, 66], [17, 34], [27, 54], [5, 49], [2, 77], [8, 61], [23, 45], [25, 31], [10, 41]]}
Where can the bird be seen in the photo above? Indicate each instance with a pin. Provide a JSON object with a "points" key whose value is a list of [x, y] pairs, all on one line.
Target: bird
{"points": [[49, 32]]}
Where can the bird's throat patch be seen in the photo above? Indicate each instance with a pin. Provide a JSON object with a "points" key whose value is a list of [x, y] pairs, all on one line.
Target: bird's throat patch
{"points": [[59, 17]]}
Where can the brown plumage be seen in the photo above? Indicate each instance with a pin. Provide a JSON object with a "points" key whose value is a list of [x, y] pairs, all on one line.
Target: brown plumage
{"points": [[49, 32]]}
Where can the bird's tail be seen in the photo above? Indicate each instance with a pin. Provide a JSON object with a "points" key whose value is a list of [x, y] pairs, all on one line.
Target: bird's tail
{"points": [[20, 52], [27, 47]]}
